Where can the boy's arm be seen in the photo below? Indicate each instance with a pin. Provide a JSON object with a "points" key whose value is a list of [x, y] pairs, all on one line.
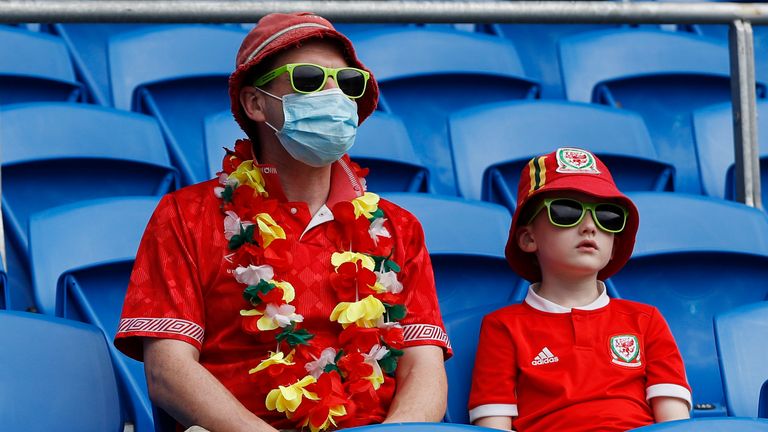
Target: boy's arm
{"points": [[495, 422], [667, 408]]}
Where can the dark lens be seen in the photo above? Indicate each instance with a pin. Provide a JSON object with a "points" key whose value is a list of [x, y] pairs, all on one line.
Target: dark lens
{"points": [[307, 78], [565, 212], [610, 216], [351, 82]]}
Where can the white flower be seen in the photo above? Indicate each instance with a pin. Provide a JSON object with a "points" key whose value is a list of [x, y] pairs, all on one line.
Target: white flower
{"points": [[372, 358], [283, 314], [233, 224], [226, 180], [218, 191], [316, 368], [252, 274], [389, 281], [377, 230]]}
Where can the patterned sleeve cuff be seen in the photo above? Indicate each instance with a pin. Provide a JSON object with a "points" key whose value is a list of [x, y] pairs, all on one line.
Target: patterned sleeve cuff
{"points": [[425, 334], [492, 410], [669, 390], [171, 328]]}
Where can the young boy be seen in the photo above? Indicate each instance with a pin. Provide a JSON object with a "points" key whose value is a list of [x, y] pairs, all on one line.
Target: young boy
{"points": [[569, 357]]}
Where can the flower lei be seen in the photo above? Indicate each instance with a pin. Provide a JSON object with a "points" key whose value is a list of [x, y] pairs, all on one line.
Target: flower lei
{"points": [[315, 386]]}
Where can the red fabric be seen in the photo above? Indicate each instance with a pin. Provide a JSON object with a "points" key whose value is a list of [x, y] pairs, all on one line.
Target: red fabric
{"points": [[584, 390], [180, 288], [549, 173]]}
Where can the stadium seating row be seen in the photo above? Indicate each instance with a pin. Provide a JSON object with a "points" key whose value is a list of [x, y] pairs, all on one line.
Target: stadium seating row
{"points": [[444, 71]]}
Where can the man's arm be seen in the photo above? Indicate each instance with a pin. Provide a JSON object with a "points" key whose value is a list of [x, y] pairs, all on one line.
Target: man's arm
{"points": [[669, 408], [180, 385], [422, 386]]}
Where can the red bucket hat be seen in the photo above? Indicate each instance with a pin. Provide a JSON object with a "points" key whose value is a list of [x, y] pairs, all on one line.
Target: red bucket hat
{"points": [[569, 169], [277, 32]]}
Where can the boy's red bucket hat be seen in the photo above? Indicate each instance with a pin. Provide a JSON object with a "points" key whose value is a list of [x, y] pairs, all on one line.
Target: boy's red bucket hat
{"points": [[569, 169], [278, 32]]}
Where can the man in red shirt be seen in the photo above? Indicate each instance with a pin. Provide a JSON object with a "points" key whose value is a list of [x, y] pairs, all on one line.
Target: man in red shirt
{"points": [[283, 294], [569, 357]]}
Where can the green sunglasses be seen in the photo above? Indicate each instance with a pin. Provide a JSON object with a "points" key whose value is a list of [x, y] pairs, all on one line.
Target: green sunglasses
{"points": [[309, 78], [567, 212]]}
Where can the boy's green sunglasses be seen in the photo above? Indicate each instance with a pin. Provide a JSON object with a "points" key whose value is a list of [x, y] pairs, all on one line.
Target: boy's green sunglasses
{"points": [[567, 212], [309, 78]]}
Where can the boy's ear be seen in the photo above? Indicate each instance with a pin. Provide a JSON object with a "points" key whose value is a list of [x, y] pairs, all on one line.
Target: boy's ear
{"points": [[526, 241]]}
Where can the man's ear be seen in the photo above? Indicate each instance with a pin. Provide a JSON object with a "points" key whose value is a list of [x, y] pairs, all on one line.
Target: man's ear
{"points": [[526, 241], [253, 103]]}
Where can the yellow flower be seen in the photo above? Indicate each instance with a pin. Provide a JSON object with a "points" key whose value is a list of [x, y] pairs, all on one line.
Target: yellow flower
{"points": [[288, 292], [339, 258], [366, 205], [268, 228], [274, 358], [289, 398], [364, 313], [247, 174], [336, 411]]}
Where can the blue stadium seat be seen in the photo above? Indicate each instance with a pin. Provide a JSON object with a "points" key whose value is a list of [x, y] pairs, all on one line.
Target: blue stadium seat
{"points": [[382, 144], [56, 375], [713, 128], [35, 67], [463, 328], [740, 335], [696, 257], [441, 71], [729, 424], [183, 78], [465, 240], [82, 255], [3, 290], [419, 427], [492, 143], [58, 153], [662, 75]]}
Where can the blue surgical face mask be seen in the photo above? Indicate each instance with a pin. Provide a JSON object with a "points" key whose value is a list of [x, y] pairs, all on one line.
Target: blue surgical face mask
{"points": [[319, 127]]}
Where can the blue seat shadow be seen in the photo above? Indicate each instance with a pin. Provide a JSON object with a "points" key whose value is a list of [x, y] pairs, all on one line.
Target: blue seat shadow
{"points": [[463, 330], [465, 240], [694, 258], [662, 75], [742, 356], [58, 153], [56, 375], [3, 290], [382, 144], [492, 143], [35, 67], [183, 79], [730, 424], [82, 255], [441, 71], [713, 128]]}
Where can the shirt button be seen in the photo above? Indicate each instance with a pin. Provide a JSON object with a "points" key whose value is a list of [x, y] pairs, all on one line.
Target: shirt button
{"points": [[293, 210]]}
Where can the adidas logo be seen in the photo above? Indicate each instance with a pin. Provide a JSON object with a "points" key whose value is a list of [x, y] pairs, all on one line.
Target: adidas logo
{"points": [[545, 357]]}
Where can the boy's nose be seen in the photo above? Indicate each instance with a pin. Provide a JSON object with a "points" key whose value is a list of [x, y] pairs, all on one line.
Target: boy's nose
{"points": [[588, 223]]}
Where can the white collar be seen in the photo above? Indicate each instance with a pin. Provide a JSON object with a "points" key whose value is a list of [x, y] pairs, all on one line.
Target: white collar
{"points": [[540, 303]]}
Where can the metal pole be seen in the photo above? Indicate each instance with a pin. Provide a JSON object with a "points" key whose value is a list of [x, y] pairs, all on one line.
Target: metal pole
{"points": [[60, 11], [747, 172]]}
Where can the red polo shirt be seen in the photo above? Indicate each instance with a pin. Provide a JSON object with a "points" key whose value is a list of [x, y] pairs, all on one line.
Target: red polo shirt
{"points": [[596, 367], [180, 288]]}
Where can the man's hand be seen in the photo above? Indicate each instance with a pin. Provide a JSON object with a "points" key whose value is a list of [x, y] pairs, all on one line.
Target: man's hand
{"points": [[422, 387], [180, 385]]}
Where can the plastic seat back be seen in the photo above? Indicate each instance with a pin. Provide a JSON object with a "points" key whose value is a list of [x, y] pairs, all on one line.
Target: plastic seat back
{"points": [[441, 71], [3, 290], [742, 356], [56, 375], [730, 424], [465, 240], [382, 144], [492, 143], [58, 153], [82, 255], [713, 127], [35, 67], [682, 72], [694, 258], [183, 79], [463, 330]]}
